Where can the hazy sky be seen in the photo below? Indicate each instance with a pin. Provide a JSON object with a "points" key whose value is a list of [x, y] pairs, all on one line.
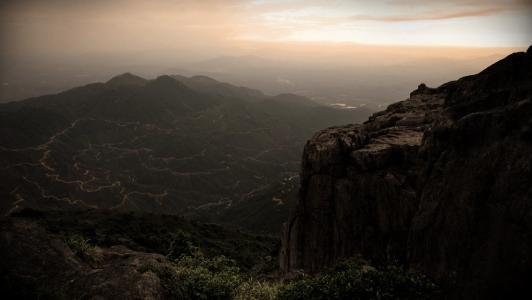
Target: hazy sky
{"points": [[55, 44], [231, 25]]}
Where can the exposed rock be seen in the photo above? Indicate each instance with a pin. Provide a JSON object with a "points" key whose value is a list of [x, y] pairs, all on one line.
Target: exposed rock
{"points": [[49, 269], [440, 182]]}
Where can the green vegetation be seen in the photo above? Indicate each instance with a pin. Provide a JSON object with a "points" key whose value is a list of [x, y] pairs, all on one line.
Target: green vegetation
{"points": [[81, 247], [207, 278], [253, 289], [199, 277], [196, 276], [171, 236], [354, 279]]}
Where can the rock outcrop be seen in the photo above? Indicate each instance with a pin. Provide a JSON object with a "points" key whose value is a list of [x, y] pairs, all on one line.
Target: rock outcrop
{"points": [[441, 182], [36, 264]]}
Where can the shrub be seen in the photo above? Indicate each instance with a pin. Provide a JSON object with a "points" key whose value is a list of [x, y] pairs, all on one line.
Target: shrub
{"points": [[201, 277], [82, 248], [180, 244], [353, 279], [253, 289], [198, 277]]}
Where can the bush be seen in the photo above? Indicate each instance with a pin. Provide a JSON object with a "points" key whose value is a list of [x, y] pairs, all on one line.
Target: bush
{"points": [[82, 248], [180, 244], [353, 279], [197, 277], [200, 277], [253, 289]]}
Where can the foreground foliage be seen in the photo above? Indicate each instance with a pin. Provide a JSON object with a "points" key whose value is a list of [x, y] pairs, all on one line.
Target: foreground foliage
{"points": [[253, 289], [186, 260], [354, 279], [168, 235], [196, 276], [82, 248]]}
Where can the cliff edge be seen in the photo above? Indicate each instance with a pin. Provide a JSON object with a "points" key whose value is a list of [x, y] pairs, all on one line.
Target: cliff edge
{"points": [[441, 182]]}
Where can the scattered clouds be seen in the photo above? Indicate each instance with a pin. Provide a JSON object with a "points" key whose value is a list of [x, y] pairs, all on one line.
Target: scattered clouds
{"points": [[412, 22], [445, 10], [429, 16]]}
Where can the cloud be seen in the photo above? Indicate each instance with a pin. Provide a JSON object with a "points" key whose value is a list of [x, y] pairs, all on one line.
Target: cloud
{"points": [[392, 10], [430, 16], [450, 9], [461, 2]]}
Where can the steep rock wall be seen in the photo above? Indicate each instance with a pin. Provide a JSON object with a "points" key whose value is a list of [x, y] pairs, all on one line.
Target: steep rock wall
{"points": [[441, 182]]}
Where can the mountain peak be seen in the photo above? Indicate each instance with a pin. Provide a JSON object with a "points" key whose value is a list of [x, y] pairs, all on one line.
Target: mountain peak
{"points": [[203, 78], [127, 79], [165, 78], [166, 81], [208, 85]]}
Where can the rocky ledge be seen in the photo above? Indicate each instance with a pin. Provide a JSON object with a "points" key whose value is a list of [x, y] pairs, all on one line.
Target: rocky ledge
{"points": [[439, 182], [36, 264]]}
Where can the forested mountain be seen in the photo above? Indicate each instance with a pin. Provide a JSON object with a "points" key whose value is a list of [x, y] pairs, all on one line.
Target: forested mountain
{"points": [[188, 146]]}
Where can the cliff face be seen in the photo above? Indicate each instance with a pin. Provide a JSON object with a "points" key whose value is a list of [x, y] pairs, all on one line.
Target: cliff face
{"points": [[441, 182]]}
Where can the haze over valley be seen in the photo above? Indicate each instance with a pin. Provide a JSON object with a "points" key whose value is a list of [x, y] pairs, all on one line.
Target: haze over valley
{"points": [[352, 53]]}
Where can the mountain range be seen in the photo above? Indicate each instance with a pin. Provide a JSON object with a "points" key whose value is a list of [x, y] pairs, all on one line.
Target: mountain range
{"points": [[191, 146]]}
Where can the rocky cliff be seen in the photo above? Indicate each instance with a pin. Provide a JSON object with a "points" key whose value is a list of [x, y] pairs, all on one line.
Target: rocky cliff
{"points": [[441, 182]]}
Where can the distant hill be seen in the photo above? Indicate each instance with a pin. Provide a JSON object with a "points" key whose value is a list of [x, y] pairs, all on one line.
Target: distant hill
{"points": [[192, 146], [207, 85]]}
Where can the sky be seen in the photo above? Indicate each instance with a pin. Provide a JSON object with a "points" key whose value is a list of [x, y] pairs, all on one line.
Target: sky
{"points": [[38, 35], [74, 25]]}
